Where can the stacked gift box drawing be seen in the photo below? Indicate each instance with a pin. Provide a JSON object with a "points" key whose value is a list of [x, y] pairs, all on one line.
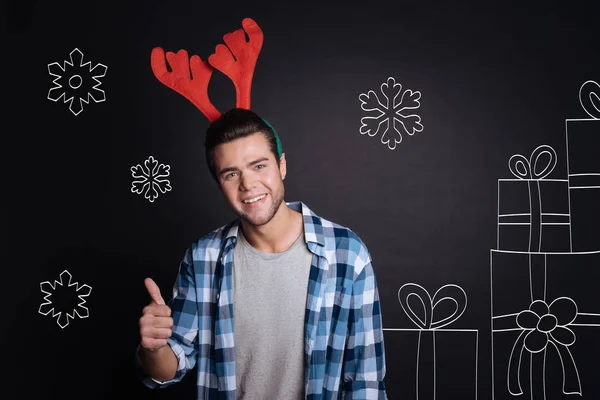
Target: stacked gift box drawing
{"points": [[546, 269], [544, 278]]}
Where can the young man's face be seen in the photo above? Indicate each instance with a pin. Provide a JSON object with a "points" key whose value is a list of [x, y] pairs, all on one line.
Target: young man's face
{"points": [[250, 178]]}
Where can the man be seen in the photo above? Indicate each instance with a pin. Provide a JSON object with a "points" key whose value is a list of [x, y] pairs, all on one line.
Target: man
{"points": [[278, 304]]}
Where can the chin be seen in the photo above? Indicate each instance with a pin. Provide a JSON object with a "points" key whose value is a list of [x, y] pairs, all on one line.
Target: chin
{"points": [[255, 221], [260, 219]]}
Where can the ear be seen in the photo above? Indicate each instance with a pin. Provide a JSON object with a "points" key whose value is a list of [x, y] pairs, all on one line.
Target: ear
{"points": [[282, 166]]}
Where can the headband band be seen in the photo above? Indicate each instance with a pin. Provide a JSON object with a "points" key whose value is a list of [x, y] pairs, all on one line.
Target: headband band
{"points": [[279, 147]]}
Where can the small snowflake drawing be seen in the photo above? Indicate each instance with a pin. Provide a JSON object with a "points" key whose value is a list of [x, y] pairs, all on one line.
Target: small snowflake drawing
{"points": [[73, 81], [62, 319], [397, 106], [149, 178]]}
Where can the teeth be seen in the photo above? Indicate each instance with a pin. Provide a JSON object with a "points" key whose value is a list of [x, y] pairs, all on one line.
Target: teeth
{"points": [[254, 199]]}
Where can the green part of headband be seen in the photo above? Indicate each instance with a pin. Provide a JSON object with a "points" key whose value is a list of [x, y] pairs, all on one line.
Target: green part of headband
{"points": [[279, 148]]}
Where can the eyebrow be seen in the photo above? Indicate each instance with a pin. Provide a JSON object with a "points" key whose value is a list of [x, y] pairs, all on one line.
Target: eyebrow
{"points": [[251, 163]]}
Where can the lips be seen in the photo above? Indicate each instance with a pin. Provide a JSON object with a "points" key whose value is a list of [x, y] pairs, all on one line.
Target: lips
{"points": [[254, 200]]}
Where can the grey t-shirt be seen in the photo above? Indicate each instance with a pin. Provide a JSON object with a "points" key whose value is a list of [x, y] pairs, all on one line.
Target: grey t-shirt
{"points": [[269, 303]]}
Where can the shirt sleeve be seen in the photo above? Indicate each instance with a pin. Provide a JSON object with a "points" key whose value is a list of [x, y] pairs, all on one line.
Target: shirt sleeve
{"points": [[364, 356], [184, 338]]}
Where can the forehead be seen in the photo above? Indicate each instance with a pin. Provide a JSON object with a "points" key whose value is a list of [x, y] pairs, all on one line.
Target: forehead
{"points": [[242, 150]]}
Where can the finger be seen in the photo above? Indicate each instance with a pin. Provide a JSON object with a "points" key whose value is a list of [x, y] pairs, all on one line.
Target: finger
{"points": [[156, 333], [154, 291], [157, 310], [153, 344], [149, 321], [162, 322]]}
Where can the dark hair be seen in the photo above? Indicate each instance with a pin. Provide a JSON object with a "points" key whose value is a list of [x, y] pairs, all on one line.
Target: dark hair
{"points": [[235, 124]]}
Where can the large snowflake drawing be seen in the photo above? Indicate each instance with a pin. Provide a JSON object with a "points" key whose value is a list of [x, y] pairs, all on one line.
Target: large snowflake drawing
{"points": [[396, 106], [149, 178], [62, 318], [73, 81]]}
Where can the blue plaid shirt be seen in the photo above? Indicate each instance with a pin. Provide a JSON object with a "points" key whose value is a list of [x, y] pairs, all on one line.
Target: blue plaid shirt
{"points": [[344, 352]]}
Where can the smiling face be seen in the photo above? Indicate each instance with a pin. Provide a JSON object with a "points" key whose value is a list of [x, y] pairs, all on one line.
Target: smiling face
{"points": [[250, 179]]}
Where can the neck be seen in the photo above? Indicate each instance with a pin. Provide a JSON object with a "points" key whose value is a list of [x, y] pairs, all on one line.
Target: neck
{"points": [[278, 234]]}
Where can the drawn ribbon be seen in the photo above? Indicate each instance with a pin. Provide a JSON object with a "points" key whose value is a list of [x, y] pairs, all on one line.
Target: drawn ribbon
{"points": [[452, 293], [544, 325], [589, 97], [529, 170], [428, 322]]}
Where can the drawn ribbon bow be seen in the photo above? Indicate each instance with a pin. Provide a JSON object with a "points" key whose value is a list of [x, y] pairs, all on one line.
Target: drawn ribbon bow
{"points": [[589, 97], [524, 168], [448, 293], [534, 170], [545, 326]]}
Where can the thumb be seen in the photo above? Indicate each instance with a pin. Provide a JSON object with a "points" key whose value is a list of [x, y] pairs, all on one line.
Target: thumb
{"points": [[154, 291]]}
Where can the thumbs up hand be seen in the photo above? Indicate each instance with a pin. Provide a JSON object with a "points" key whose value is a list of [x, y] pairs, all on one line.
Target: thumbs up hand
{"points": [[155, 322]]}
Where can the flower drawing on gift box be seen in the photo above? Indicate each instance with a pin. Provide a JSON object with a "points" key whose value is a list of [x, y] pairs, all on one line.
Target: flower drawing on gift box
{"points": [[543, 325], [150, 179], [58, 299], [76, 82], [547, 323], [393, 107]]}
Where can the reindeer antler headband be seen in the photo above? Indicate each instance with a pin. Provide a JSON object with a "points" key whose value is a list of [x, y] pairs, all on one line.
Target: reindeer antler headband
{"points": [[239, 69]]}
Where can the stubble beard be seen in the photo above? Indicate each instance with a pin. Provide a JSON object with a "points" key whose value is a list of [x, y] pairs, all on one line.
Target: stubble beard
{"points": [[277, 200]]}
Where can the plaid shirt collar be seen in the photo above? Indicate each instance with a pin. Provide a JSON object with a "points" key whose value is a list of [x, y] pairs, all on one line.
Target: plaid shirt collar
{"points": [[313, 229]]}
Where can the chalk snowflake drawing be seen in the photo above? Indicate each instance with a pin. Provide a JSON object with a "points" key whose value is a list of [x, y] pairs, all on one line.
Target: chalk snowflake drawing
{"points": [[397, 106], [150, 179], [79, 76], [48, 307]]}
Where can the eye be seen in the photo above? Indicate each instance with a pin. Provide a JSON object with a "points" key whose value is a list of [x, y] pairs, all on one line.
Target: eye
{"points": [[230, 175], [260, 166]]}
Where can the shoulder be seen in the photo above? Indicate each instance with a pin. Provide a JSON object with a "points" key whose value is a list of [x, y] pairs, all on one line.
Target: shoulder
{"points": [[345, 245], [208, 247]]}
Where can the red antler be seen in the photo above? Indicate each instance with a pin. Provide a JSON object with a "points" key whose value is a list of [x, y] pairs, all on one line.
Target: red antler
{"points": [[241, 69], [195, 88]]}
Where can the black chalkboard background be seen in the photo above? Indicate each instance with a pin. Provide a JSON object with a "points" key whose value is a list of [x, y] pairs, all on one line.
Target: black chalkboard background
{"points": [[495, 81]]}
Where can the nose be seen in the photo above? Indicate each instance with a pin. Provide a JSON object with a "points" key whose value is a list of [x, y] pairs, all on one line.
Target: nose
{"points": [[247, 182]]}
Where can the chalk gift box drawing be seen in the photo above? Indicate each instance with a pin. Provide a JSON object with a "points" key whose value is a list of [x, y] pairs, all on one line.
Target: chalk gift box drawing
{"points": [[583, 168], [533, 212], [539, 344], [438, 352], [545, 312]]}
